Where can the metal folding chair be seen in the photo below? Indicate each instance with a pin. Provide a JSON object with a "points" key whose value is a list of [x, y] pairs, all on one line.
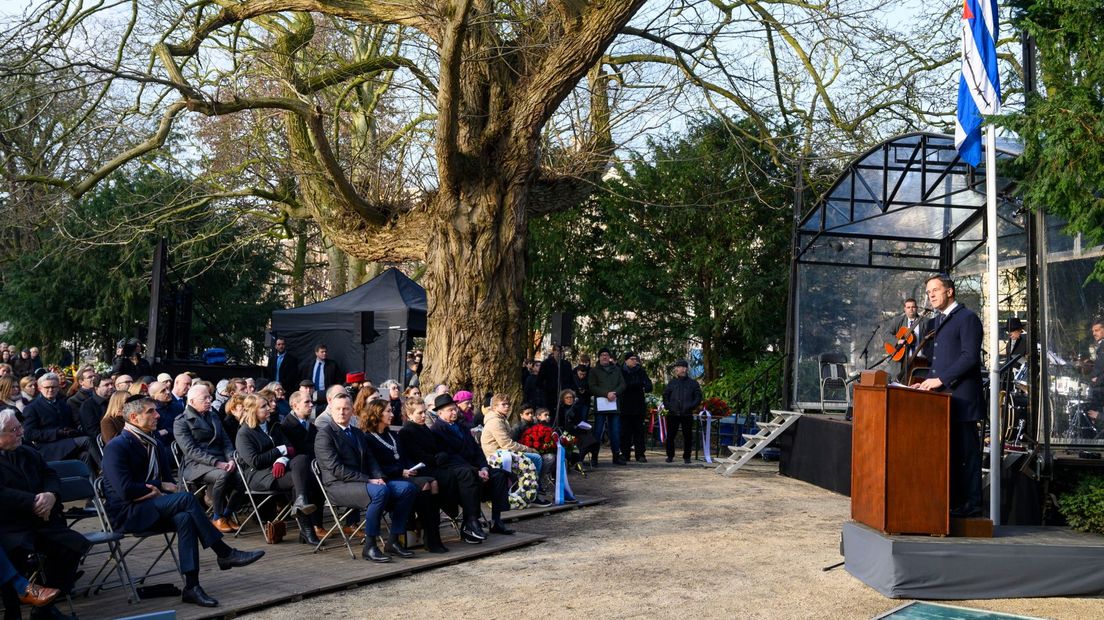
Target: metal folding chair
{"points": [[76, 485], [833, 375], [338, 518], [265, 497], [139, 537], [199, 490]]}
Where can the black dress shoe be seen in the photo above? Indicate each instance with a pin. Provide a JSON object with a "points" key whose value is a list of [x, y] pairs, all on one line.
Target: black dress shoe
{"points": [[397, 548], [540, 502], [196, 596], [476, 530], [641, 459], [670, 459], [618, 461], [498, 527], [373, 553], [436, 548], [302, 507], [238, 558]]}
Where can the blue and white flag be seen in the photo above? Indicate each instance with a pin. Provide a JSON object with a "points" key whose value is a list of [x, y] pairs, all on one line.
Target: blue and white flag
{"points": [[979, 84]]}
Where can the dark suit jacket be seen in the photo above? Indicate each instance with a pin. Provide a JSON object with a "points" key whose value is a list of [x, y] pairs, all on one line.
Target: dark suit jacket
{"points": [[125, 465], [24, 474], [419, 444], [458, 449], [956, 361], [289, 370], [329, 373], [42, 419], [91, 412], [302, 439], [257, 453], [346, 465], [203, 441]]}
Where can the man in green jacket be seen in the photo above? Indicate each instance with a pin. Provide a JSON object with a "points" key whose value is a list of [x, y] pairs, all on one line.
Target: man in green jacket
{"points": [[607, 384]]}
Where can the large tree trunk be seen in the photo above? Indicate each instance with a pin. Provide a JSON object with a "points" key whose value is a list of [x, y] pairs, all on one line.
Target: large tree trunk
{"points": [[475, 269]]}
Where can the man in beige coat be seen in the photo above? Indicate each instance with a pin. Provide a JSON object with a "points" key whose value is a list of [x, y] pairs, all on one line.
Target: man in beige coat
{"points": [[496, 436]]}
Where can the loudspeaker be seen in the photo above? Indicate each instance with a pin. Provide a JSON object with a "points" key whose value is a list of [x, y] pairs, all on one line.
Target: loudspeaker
{"points": [[563, 328], [366, 328]]}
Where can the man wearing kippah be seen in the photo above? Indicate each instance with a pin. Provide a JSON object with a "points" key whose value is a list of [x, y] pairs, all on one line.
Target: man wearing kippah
{"points": [[681, 398]]}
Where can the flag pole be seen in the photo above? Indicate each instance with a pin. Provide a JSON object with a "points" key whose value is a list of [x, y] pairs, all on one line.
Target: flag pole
{"points": [[995, 441]]}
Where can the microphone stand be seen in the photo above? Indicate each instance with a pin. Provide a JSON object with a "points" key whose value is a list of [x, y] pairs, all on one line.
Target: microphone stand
{"points": [[865, 355]]}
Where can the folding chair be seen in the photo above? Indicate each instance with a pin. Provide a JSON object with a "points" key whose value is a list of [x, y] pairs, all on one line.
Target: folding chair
{"points": [[199, 490], [139, 537], [338, 518], [76, 485], [265, 497], [833, 375]]}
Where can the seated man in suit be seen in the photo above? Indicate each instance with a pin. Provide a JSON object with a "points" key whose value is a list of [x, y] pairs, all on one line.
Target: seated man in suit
{"points": [[353, 478], [209, 456], [49, 425], [297, 425], [460, 450], [95, 406], [142, 497], [31, 521]]}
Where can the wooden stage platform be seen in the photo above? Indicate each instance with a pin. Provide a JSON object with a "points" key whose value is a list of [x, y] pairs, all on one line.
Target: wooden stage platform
{"points": [[290, 572]]}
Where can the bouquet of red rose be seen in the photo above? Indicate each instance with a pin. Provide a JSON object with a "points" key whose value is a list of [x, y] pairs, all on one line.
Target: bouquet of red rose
{"points": [[716, 407], [539, 438]]}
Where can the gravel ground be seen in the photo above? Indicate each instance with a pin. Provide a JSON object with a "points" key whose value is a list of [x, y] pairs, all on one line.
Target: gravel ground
{"points": [[672, 542]]}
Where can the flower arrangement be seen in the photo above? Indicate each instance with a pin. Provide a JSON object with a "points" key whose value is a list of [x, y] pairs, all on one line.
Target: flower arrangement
{"points": [[716, 407], [568, 441], [539, 438]]}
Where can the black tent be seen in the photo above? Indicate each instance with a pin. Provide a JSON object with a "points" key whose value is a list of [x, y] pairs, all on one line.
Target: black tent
{"points": [[398, 305]]}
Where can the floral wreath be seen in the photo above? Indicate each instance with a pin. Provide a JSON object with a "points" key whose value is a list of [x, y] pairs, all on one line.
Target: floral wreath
{"points": [[524, 490]]}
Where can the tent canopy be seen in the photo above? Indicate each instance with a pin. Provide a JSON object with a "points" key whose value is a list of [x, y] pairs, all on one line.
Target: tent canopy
{"points": [[396, 300], [399, 304]]}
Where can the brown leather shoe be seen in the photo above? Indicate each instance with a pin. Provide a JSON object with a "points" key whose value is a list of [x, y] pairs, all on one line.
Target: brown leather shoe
{"points": [[352, 532], [222, 525], [38, 596], [320, 532]]}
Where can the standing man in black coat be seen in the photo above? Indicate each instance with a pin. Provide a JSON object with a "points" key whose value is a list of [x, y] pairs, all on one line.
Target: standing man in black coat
{"points": [[956, 368], [633, 407], [554, 377], [353, 479], [49, 425], [682, 399], [283, 366], [31, 519], [142, 497], [323, 372]]}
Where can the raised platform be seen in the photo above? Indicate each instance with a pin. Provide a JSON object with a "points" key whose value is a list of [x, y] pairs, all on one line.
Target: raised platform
{"points": [[1018, 562], [817, 450], [290, 572]]}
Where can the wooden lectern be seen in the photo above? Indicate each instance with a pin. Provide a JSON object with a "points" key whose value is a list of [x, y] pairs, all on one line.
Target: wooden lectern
{"points": [[899, 458]]}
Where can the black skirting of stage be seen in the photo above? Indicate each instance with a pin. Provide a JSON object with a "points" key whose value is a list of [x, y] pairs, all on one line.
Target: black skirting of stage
{"points": [[1018, 562], [817, 450]]}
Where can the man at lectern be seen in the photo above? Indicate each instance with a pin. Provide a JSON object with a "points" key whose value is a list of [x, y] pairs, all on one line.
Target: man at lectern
{"points": [[956, 367]]}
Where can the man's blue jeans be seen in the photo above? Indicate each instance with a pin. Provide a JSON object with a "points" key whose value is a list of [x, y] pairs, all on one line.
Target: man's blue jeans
{"points": [[614, 432]]}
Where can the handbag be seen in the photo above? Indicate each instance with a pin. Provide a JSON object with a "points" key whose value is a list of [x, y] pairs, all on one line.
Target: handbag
{"points": [[274, 531]]}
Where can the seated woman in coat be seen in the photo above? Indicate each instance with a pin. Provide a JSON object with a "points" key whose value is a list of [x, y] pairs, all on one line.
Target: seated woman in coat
{"points": [[375, 421], [270, 463]]}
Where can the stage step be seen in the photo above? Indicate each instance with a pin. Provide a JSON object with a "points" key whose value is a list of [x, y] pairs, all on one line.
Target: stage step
{"points": [[755, 443]]}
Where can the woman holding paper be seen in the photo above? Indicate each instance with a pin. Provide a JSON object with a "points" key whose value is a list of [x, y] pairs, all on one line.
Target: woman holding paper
{"points": [[375, 421]]}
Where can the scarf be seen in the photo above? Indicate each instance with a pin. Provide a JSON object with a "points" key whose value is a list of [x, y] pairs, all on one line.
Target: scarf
{"points": [[152, 445]]}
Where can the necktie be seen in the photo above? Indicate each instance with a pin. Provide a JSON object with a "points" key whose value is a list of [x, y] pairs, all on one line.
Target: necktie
{"points": [[306, 425], [279, 360], [318, 384]]}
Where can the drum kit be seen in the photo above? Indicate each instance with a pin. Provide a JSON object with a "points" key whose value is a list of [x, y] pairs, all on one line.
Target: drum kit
{"points": [[1072, 399]]}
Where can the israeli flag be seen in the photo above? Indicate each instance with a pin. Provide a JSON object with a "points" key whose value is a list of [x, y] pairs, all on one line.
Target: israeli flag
{"points": [[979, 84]]}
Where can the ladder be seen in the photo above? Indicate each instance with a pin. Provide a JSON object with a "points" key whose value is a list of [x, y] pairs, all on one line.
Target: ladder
{"points": [[754, 444]]}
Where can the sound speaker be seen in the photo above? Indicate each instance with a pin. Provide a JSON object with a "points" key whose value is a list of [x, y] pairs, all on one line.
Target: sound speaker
{"points": [[366, 328], [563, 328]]}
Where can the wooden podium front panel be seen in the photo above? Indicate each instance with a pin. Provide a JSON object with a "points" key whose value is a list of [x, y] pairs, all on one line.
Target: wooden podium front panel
{"points": [[868, 457], [917, 483]]}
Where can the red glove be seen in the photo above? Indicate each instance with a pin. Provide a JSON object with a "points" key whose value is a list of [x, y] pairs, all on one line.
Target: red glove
{"points": [[278, 470], [290, 451]]}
